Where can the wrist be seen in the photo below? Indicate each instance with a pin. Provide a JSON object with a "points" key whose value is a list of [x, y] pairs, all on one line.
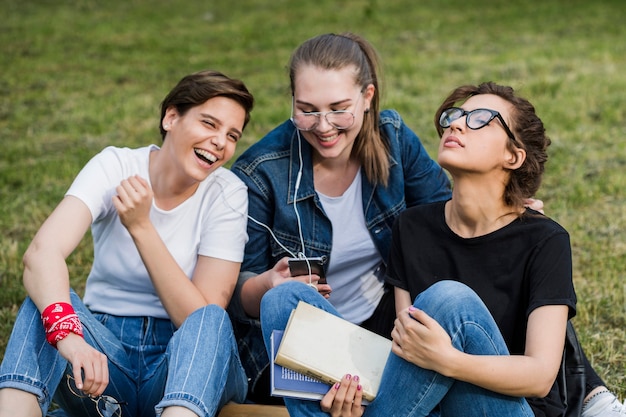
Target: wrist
{"points": [[267, 282], [59, 321]]}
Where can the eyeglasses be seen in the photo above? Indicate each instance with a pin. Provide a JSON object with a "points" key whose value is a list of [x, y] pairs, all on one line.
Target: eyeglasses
{"points": [[476, 119], [106, 405], [339, 119]]}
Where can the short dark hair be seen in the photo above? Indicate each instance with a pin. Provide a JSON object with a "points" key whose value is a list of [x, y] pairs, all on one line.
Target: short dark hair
{"points": [[195, 89]]}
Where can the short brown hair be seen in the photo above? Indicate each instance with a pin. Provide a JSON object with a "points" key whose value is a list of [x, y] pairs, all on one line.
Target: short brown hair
{"points": [[195, 89]]}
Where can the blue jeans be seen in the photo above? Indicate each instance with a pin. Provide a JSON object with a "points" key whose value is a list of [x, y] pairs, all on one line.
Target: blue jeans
{"points": [[151, 364], [458, 310]]}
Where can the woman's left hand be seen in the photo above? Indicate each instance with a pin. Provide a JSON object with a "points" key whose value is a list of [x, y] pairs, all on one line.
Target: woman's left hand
{"points": [[344, 398], [419, 339], [133, 201]]}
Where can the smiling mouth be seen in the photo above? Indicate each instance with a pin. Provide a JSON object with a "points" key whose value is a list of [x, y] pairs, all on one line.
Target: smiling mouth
{"points": [[205, 156], [328, 139]]}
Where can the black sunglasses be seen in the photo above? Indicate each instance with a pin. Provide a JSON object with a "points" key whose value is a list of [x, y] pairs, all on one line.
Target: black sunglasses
{"points": [[476, 119]]}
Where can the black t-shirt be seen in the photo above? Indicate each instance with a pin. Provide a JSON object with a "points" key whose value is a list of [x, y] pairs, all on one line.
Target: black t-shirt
{"points": [[522, 266]]}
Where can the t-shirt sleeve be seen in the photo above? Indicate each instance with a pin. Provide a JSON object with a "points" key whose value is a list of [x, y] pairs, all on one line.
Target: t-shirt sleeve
{"points": [[224, 226], [96, 182], [551, 270], [396, 275]]}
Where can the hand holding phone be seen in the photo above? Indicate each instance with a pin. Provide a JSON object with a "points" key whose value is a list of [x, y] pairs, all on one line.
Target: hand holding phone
{"points": [[306, 266]]}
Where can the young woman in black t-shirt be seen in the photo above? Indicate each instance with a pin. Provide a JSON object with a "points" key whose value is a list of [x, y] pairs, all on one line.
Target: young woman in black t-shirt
{"points": [[483, 285]]}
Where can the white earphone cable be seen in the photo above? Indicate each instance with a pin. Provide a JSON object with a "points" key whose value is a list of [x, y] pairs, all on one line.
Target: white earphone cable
{"points": [[301, 254], [295, 207]]}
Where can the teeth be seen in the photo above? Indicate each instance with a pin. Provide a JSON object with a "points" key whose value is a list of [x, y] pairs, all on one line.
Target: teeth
{"points": [[329, 139], [206, 155]]}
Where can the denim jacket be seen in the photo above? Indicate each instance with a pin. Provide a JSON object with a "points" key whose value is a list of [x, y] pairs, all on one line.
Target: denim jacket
{"points": [[270, 168]]}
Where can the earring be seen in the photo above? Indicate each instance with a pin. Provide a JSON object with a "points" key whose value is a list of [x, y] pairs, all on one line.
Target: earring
{"points": [[367, 110]]}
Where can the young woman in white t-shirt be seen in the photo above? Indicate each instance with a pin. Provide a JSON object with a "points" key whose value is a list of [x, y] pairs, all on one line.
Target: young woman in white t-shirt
{"points": [[151, 334]]}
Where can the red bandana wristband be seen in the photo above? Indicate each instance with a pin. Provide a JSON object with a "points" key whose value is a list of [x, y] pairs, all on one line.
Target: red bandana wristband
{"points": [[59, 320]]}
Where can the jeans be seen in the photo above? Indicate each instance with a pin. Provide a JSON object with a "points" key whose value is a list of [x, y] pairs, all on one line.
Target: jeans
{"points": [[458, 310], [151, 364]]}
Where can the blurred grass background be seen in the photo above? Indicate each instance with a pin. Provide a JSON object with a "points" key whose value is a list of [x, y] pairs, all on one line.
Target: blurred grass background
{"points": [[78, 76]]}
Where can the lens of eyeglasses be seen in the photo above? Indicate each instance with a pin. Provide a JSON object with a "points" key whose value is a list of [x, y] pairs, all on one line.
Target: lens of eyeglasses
{"points": [[479, 118], [475, 119], [305, 121], [108, 407], [448, 116], [339, 119]]}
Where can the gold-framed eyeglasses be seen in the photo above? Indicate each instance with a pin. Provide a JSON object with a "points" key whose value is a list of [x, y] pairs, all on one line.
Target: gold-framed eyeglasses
{"points": [[339, 119], [106, 405]]}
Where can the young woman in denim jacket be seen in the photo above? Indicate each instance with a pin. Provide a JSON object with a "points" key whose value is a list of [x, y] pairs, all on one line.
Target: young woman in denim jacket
{"points": [[151, 334], [329, 183]]}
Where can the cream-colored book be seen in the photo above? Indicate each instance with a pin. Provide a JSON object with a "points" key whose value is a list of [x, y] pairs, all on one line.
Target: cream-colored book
{"points": [[326, 347]]}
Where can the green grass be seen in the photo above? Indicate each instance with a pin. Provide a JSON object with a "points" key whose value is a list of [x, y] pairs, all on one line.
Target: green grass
{"points": [[78, 76]]}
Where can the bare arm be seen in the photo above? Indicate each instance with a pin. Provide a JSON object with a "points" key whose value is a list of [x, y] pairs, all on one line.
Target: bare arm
{"points": [[420, 340], [403, 300], [213, 280], [254, 288], [46, 278]]}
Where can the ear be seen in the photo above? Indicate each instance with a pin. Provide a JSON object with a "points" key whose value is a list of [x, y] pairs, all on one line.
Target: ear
{"points": [[368, 94], [515, 158], [170, 117]]}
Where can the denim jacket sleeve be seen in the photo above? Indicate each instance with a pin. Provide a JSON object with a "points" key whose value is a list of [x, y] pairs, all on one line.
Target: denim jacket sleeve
{"points": [[414, 178], [264, 168], [423, 179]]}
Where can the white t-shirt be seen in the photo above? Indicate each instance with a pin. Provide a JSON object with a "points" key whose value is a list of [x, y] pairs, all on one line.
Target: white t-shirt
{"points": [[354, 259], [212, 222]]}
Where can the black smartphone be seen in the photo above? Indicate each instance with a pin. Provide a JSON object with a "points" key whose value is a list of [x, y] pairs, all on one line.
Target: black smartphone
{"points": [[300, 266]]}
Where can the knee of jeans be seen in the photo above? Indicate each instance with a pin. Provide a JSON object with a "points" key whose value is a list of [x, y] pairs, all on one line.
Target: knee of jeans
{"points": [[283, 296], [208, 316], [447, 292]]}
